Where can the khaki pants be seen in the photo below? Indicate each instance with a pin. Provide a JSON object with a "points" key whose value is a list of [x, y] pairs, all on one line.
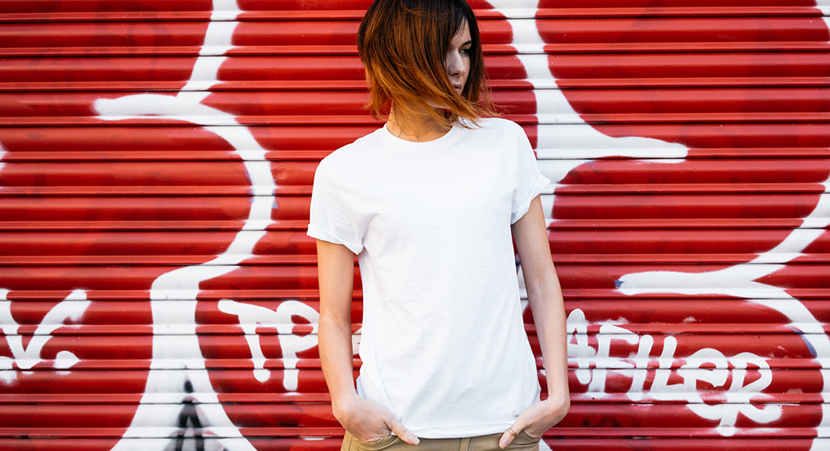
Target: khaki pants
{"points": [[524, 442]]}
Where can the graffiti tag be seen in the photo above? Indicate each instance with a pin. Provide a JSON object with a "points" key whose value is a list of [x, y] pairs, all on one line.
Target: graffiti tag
{"points": [[26, 357], [253, 316], [705, 365]]}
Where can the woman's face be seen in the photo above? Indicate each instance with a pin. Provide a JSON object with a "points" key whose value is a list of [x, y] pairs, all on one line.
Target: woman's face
{"points": [[457, 61]]}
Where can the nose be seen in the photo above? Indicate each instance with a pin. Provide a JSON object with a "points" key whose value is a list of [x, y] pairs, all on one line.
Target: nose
{"points": [[455, 65]]}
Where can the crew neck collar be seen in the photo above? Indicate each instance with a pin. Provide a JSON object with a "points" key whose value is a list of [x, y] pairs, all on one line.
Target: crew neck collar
{"points": [[439, 143]]}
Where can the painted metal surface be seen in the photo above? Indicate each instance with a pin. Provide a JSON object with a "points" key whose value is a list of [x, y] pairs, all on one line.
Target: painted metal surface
{"points": [[158, 291]]}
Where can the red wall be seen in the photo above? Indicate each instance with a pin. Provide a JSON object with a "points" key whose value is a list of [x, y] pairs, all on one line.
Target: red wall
{"points": [[158, 291]]}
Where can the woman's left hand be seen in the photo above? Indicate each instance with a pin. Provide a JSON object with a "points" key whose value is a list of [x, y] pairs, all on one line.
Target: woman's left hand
{"points": [[538, 418]]}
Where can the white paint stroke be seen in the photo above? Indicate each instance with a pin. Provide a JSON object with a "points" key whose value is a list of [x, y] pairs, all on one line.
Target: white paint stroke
{"points": [[2, 153], [594, 362], [738, 280], [741, 281], [204, 76], [223, 10], [152, 443], [253, 316], [174, 294], [7, 372], [552, 103], [739, 396], [514, 9], [25, 358], [577, 142], [824, 7], [216, 39], [580, 143], [552, 107]]}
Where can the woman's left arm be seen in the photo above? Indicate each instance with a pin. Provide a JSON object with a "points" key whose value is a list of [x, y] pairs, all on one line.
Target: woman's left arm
{"points": [[545, 297]]}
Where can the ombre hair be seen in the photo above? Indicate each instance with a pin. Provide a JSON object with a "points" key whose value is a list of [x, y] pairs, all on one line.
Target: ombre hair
{"points": [[403, 45]]}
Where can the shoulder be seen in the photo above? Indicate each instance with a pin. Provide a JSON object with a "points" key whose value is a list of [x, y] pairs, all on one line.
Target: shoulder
{"points": [[498, 130], [351, 155], [504, 135], [500, 124]]}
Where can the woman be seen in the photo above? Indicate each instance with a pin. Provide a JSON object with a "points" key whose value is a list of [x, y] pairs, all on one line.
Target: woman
{"points": [[429, 204]]}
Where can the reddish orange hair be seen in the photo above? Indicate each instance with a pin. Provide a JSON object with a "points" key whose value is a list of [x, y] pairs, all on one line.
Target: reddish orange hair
{"points": [[403, 46]]}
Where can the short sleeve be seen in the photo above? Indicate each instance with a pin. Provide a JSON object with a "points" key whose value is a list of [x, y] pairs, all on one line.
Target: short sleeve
{"points": [[330, 220], [529, 180]]}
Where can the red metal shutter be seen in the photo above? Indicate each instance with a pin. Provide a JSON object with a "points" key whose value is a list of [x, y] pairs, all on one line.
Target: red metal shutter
{"points": [[158, 291]]}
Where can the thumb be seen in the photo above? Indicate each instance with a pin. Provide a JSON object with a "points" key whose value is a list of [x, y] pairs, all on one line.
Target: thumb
{"points": [[509, 435], [401, 431]]}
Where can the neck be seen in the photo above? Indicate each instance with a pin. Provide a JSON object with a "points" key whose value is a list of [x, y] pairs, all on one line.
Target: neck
{"points": [[415, 127]]}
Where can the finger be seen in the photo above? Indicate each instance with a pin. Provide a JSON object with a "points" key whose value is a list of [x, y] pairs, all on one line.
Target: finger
{"points": [[401, 431], [508, 437]]}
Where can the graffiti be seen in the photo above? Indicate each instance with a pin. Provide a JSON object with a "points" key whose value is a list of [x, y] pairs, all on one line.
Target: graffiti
{"points": [[252, 317], [595, 362], [742, 281], [570, 142], [179, 396], [189, 420], [26, 357], [174, 294], [708, 365]]}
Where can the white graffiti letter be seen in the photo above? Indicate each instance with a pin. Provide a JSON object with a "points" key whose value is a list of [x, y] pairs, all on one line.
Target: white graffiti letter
{"points": [[693, 371], [578, 347], [604, 361], [739, 396], [253, 316], [26, 357], [661, 389]]}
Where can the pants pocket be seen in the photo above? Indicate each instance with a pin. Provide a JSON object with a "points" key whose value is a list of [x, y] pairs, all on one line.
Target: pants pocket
{"points": [[529, 437], [352, 444], [525, 442]]}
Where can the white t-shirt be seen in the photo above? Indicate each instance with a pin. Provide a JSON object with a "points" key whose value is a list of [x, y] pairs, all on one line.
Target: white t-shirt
{"points": [[443, 343]]}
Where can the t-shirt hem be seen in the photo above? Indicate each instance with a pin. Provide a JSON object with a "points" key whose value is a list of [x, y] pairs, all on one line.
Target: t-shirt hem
{"points": [[460, 431], [325, 235]]}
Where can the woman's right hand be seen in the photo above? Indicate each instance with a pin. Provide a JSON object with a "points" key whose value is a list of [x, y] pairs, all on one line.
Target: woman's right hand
{"points": [[369, 421]]}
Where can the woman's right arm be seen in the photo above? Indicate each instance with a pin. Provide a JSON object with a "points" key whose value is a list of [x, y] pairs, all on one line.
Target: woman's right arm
{"points": [[366, 420]]}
